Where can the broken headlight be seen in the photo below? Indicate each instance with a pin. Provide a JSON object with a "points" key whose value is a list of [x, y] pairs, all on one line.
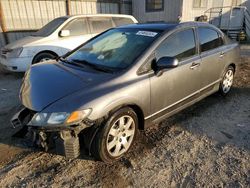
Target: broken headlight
{"points": [[59, 118]]}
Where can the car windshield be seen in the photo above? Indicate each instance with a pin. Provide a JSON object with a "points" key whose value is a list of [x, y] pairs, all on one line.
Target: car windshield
{"points": [[50, 27], [115, 49]]}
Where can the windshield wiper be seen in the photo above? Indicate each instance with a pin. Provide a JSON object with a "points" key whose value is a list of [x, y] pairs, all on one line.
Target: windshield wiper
{"points": [[70, 62], [64, 60], [94, 66], [84, 63]]}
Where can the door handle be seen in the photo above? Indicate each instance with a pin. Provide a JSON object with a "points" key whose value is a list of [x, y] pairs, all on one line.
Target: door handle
{"points": [[195, 65], [222, 54]]}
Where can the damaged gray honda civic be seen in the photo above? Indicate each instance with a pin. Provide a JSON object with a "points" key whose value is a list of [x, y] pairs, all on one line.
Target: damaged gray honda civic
{"points": [[93, 100]]}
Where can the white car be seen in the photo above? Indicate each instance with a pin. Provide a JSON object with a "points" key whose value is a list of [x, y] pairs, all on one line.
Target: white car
{"points": [[57, 38]]}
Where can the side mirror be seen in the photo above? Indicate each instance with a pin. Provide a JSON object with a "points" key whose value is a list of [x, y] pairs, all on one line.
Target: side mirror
{"points": [[64, 33], [166, 63]]}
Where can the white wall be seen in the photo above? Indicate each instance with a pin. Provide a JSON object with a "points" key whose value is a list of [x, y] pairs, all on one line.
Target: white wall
{"points": [[189, 13], [30, 14], [172, 9]]}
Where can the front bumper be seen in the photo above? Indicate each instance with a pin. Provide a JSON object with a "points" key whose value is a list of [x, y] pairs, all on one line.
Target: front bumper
{"points": [[20, 64], [62, 140]]}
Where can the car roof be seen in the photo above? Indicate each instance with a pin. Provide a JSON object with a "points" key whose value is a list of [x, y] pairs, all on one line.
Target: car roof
{"points": [[71, 17], [151, 26], [166, 26], [100, 15]]}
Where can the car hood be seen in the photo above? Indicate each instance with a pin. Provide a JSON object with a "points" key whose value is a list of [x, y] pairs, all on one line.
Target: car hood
{"points": [[46, 83], [22, 42]]}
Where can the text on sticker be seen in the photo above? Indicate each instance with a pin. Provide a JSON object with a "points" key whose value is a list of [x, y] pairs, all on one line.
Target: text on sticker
{"points": [[147, 33]]}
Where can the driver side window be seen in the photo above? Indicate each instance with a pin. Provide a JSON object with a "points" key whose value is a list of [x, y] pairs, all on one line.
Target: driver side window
{"points": [[77, 27], [180, 45]]}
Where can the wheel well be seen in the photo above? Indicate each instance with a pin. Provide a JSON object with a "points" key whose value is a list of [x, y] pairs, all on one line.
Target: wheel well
{"points": [[233, 65], [140, 116], [138, 112], [45, 51]]}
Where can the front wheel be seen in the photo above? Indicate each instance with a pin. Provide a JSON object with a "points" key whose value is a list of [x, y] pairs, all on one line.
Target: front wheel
{"points": [[227, 81], [42, 57], [116, 136]]}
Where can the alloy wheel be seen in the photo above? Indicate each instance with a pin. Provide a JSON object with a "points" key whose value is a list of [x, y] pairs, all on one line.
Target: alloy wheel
{"points": [[44, 59], [120, 136], [227, 81]]}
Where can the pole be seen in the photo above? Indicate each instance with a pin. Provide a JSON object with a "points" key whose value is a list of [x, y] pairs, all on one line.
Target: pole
{"points": [[120, 6], [68, 5], [3, 25]]}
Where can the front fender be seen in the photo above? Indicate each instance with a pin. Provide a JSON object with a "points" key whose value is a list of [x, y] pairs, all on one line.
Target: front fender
{"points": [[116, 104], [34, 50]]}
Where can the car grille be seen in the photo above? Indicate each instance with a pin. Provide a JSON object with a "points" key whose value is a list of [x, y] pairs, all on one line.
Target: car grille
{"points": [[22, 117], [16, 123]]}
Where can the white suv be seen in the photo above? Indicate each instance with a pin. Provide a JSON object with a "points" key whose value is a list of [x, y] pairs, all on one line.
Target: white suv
{"points": [[57, 38]]}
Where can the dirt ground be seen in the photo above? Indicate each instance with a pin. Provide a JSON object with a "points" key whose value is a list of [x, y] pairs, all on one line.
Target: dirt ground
{"points": [[206, 145]]}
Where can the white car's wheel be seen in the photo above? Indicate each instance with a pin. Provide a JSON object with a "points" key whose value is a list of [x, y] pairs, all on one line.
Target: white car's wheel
{"points": [[42, 57]]}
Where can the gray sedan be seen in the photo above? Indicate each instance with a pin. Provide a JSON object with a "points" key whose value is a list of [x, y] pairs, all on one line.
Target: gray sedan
{"points": [[93, 100]]}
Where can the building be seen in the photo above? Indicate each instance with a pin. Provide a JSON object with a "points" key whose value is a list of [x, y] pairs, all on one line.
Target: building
{"points": [[228, 15], [19, 18], [171, 10]]}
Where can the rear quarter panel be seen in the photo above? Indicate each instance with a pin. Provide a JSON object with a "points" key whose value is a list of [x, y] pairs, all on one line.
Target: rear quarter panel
{"points": [[232, 56]]}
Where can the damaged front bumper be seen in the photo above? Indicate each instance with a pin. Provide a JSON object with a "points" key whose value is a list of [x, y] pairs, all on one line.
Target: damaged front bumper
{"points": [[61, 140]]}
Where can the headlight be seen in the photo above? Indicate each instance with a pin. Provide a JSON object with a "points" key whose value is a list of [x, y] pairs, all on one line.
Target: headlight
{"points": [[15, 52], [59, 118]]}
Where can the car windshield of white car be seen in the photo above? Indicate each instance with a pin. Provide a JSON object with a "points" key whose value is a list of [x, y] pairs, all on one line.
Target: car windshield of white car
{"points": [[50, 27], [116, 48]]}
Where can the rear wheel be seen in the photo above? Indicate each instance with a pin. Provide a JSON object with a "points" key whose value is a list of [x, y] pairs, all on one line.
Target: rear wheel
{"points": [[227, 81], [116, 136], [42, 57]]}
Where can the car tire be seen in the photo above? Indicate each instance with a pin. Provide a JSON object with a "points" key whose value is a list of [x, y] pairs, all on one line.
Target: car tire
{"points": [[115, 138], [227, 81], [42, 57]]}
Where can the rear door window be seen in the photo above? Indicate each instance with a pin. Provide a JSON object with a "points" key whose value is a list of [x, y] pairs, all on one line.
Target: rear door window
{"points": [[100, 24], [77, 27], [180, 45], [209, 39], [122, 21]]}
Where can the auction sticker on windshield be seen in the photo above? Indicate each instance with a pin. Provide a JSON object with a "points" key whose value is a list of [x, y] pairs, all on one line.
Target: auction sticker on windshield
{"points": [[147, 33]]}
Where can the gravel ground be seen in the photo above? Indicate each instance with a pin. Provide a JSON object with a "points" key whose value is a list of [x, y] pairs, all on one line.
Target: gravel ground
{"points": [[206, 145]]}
